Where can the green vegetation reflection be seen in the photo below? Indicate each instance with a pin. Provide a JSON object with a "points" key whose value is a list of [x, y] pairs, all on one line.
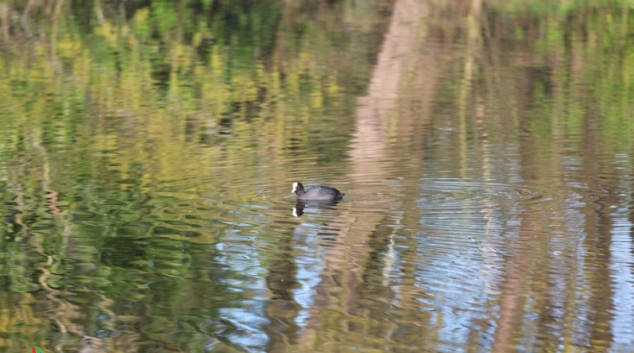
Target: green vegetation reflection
{"points": [[115, 112]]}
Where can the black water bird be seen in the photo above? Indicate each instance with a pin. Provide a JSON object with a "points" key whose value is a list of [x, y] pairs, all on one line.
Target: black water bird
{"points": [[316, 193]]}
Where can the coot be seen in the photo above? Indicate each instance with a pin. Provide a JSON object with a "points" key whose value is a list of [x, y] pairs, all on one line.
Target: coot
{"points": [[317, 193]]}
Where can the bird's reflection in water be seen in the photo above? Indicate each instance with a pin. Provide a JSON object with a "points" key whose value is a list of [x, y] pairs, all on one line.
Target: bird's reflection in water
{"points": [[298, 210]]}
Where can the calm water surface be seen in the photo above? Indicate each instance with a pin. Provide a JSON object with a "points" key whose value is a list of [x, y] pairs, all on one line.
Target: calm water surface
{"points": [[148, 148]]}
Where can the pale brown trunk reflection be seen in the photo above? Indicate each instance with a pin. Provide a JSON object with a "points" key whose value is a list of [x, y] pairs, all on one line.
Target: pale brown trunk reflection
{"points": [[599, 224], [346, 262], [511, 302], [540, 278]]}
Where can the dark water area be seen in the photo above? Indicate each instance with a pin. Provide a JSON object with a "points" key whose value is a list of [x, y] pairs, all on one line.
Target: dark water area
{"points": [[148, 151]]}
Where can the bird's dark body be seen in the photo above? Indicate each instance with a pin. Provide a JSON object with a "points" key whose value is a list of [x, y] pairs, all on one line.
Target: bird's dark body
{"points": [[317, 193]]}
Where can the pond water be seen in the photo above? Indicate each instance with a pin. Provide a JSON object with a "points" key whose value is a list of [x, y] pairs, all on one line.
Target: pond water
{"points": [[485, 149]]}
